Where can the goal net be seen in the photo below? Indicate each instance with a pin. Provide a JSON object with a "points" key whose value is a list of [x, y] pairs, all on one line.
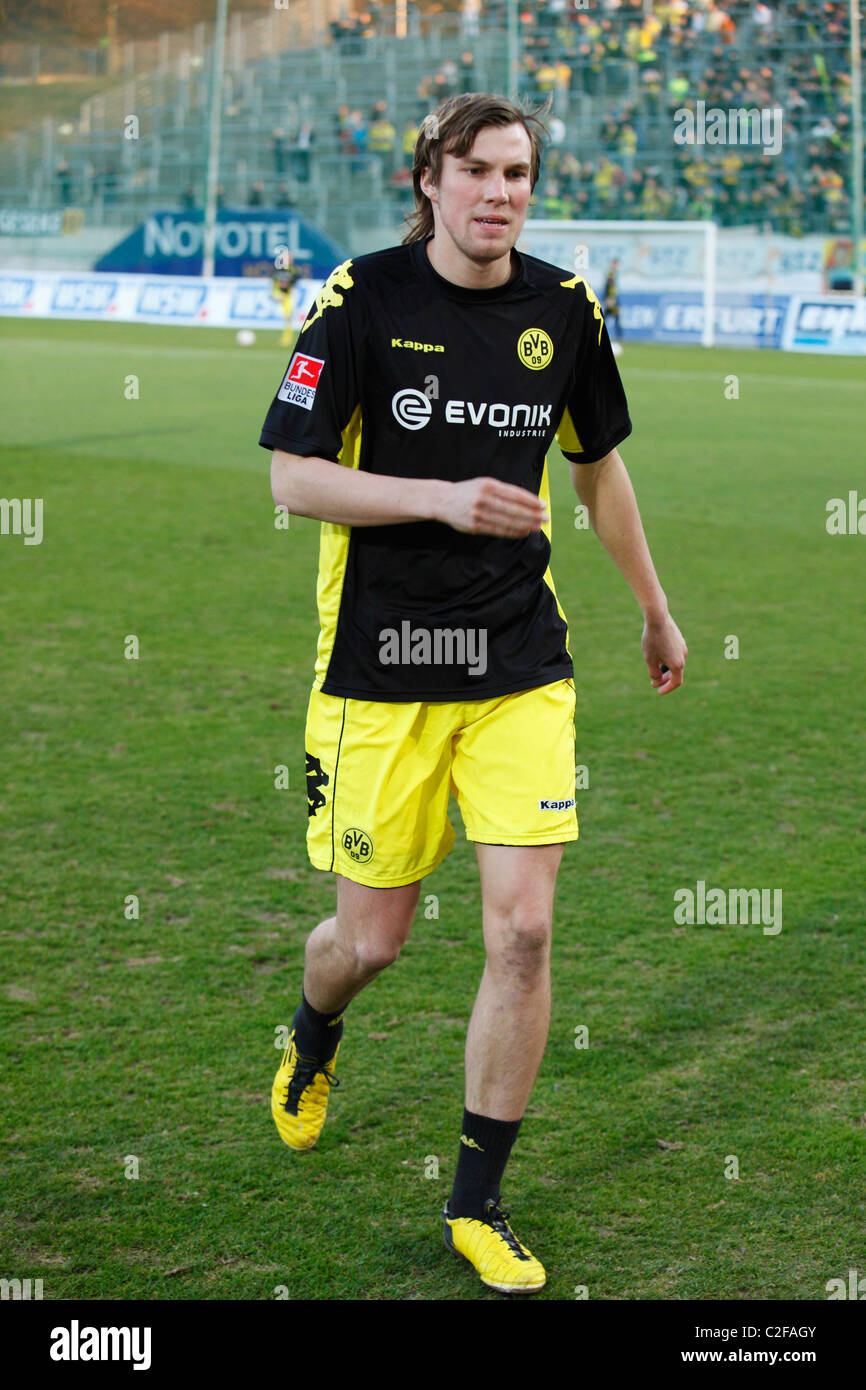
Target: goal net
{"points": [[653, 258]]}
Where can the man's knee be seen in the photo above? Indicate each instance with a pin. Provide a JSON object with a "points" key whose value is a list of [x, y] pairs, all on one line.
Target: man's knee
{"points": [[376, 954], [519, 944], [374, 923]]}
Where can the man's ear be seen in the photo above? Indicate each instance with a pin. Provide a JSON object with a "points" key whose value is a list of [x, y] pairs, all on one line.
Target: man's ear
{"points": [[427, 186]]}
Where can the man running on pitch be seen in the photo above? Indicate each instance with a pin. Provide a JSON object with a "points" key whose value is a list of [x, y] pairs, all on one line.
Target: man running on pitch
{"points": [[427, 386]]}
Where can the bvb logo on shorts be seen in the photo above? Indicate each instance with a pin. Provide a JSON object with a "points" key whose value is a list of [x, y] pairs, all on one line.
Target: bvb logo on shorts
{"points": [[535, 349], [358, 845]]}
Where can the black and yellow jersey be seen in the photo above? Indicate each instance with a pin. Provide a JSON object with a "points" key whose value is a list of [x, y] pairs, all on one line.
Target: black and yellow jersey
{"points": [[400, 372]]}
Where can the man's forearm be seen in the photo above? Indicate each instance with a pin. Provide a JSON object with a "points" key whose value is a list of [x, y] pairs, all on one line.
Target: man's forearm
{"points": [[606, 491], [328, 491]]}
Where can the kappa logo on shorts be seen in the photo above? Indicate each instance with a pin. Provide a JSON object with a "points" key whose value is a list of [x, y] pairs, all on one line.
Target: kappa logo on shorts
{"points": [[556, 805], [300, 382], [316, 778], [357, 844]]}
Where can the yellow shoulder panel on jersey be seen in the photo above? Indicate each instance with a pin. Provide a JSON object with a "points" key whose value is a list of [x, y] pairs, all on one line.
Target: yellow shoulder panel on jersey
{"points": [[329, 296], [567, 436], [596, 307]]}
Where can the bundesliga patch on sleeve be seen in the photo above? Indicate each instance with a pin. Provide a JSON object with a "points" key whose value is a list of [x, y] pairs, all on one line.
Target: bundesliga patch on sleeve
{"points": [[300, 382]]}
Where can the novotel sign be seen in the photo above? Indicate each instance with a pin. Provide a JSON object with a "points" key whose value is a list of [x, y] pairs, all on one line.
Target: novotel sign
{"points": [[247, 243]]}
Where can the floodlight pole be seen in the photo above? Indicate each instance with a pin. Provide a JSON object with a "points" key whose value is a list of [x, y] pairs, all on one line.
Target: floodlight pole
{"points": [[213, 148], [513, 48], [856, 148]]}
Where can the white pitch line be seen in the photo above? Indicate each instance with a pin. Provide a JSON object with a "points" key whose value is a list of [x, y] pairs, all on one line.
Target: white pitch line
{"points": [[677, 375], [147, 349]]}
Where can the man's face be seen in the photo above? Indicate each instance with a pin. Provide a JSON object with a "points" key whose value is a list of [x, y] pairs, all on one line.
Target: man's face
{"points": [[482, 198]]}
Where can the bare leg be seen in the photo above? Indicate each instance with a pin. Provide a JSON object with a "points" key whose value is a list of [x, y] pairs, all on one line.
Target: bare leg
{"points": [[510, 1021], [344, 953]]}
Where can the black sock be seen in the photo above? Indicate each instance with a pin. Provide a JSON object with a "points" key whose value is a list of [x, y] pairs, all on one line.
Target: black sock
{"points": [[317, 1035], [485, 1145]]}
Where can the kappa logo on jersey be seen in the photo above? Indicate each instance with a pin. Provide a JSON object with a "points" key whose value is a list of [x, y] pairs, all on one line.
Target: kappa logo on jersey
{"points": [[412, 409], [572, 284], [316, 779], [329, 296], [535, 349], [300, 382], [556, 805], [417, 347]]}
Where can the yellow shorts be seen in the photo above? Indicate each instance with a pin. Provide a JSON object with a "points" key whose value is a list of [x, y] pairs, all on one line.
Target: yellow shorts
{"points": [[379, 774]]}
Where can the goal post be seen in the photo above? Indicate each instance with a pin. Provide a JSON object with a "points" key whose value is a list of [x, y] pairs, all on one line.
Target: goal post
{"points": [[652, 256]]}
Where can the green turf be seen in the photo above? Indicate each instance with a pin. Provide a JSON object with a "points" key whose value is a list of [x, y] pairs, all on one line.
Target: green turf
{"points": [[153, 1038]]}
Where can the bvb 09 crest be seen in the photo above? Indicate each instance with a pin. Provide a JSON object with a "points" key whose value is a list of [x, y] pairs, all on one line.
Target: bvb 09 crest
{"points": [[535, 349]]}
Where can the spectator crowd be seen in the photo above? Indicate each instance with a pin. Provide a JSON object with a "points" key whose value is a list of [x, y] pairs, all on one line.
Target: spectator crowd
{"points": [[614, 77], [647, 65], [615, 74]]}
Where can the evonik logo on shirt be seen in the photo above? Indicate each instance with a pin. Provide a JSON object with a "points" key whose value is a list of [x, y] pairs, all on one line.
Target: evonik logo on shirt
{"points": [[412, 409]]}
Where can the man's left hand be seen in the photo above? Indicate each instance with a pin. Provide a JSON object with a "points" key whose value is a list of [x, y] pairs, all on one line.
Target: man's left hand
{"points": [[664, 646]]}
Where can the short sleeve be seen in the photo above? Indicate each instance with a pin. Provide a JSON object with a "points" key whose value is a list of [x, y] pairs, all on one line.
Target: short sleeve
{"points": [[319, 392], [595, 418]]}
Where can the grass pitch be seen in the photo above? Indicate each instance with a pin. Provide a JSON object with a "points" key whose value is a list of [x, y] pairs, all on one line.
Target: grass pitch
{"points": [[146, 1045]]}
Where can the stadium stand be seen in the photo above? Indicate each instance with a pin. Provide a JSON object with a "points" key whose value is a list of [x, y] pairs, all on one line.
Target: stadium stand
{"points": [[328, 128]]}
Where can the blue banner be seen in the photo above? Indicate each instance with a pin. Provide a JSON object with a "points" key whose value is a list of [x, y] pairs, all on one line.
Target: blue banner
{"points": [[828, 323], [677, 316], [247, 243]]}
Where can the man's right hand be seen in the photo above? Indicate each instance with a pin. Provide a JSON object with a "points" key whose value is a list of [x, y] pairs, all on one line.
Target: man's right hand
{"points": [[488, 507]]}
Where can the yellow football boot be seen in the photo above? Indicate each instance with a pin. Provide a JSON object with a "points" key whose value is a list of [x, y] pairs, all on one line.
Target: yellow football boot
{"points": [[493, 1248], [299, 1098]]}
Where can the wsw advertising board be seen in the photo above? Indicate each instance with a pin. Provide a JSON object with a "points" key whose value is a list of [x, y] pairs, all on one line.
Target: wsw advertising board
{"points": [[247, 243], [242, 302]]}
